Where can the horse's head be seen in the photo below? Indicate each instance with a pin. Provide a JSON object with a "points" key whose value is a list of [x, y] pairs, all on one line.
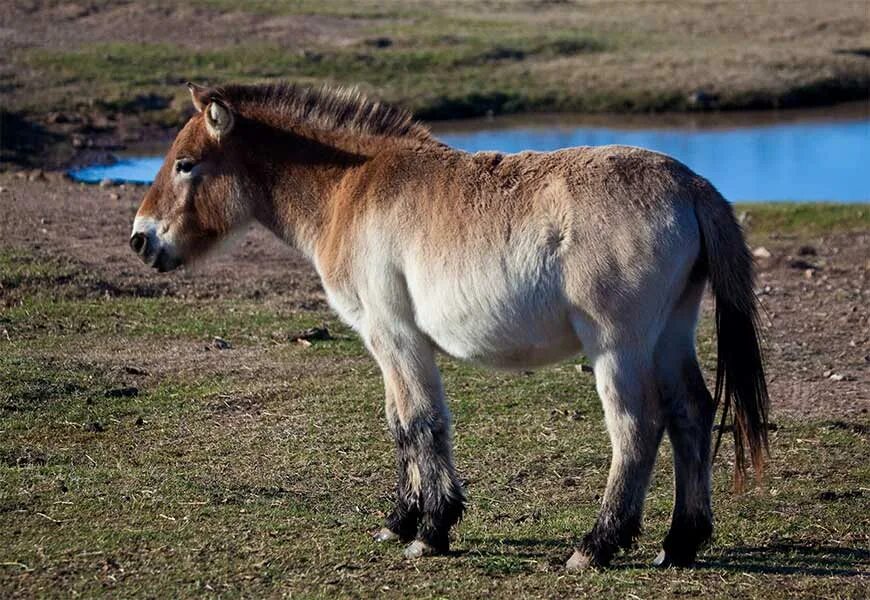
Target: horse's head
{"points": [[201, 193]]}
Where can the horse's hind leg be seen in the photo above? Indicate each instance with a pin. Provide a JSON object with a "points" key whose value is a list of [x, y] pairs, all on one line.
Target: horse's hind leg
{"points": [[690, 412], [624, 378]]}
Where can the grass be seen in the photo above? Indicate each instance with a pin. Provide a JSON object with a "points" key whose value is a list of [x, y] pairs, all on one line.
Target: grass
{"points": [[438, 78], [75, 79], [451, 59], [258, 470], [804, 219]]}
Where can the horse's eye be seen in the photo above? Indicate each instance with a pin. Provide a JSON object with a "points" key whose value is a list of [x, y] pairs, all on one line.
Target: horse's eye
{"points": [[184, 165]]}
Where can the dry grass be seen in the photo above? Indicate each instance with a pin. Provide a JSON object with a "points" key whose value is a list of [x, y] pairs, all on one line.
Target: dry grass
{"points": [[446, 59]]}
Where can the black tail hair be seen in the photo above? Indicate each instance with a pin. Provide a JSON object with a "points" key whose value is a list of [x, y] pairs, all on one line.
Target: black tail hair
{"points": [[741, 386]]}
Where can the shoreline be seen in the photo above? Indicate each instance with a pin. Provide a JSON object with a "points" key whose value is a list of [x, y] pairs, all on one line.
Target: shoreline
{"points": [[50, 142]]}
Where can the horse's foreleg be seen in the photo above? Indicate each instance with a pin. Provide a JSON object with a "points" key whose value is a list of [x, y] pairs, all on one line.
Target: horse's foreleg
{"points": [[632, 412], [401, 523], [430, 498]]}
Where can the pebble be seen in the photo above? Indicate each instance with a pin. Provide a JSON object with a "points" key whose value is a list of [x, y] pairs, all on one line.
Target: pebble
{"points": [[581, 368], [114, 196], [3, 190], [221, 344], [761, 252], [106, 183], [837, 377]]}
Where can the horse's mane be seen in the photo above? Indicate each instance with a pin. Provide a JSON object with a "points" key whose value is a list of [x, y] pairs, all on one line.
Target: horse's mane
{"points": [[324, 108]]}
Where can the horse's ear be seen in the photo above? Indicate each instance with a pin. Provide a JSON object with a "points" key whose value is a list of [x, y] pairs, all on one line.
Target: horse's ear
{"points": [[219, 119], [200, 95]]}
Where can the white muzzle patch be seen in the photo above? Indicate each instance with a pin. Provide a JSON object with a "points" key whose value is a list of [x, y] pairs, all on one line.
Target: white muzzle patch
{"points": [[153, 245]]}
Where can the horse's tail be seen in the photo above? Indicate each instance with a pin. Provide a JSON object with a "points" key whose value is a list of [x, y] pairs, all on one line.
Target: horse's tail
{"points": [[739, 367]]}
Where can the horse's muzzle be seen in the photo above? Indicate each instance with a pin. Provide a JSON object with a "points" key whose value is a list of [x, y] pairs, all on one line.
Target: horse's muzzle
{"points": [[149, 250]]}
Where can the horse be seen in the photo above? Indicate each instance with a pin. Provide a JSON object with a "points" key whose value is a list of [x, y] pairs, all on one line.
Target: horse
{"points": [[508, 261]]}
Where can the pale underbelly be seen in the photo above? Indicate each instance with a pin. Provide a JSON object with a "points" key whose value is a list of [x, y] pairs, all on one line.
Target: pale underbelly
{"points": [[527, 346]]}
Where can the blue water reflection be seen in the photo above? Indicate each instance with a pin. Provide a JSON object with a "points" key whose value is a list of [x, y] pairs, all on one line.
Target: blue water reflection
{"points": [[141, 169]]}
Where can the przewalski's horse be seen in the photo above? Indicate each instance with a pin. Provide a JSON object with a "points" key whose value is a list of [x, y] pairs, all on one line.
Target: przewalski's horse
{"points": [[511, 261]]}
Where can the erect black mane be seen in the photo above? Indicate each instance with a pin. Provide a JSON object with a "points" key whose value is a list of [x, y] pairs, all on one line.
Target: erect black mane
{"points": [[325, 108]]}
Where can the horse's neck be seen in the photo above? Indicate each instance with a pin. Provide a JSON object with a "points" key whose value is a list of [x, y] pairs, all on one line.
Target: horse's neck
{"points": [[299, 180]]}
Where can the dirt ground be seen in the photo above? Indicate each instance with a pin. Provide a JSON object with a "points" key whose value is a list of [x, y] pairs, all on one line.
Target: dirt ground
{"points": [[813, 288]]}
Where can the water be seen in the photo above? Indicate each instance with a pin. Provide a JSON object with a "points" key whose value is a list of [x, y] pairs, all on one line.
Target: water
{"points": [[815, 156], [134, 169]]}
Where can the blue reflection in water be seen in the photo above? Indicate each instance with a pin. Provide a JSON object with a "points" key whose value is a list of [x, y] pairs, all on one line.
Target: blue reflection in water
{"points": [[796, 161], [133, 169]]}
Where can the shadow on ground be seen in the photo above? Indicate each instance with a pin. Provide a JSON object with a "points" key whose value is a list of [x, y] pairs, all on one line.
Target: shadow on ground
{"points": [[784, 558]]}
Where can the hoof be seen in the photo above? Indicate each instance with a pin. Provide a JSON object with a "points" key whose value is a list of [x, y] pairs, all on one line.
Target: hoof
{"points": [[385, 535], [419, 549], [580, 561], [665, 560]]}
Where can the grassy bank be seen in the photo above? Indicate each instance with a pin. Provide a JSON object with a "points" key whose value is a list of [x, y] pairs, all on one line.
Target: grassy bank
{"points": [[87, 69], [138, 459], [804, 219]]}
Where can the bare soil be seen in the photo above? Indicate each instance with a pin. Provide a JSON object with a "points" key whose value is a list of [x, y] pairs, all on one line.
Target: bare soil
{"points": [[813, 289]]}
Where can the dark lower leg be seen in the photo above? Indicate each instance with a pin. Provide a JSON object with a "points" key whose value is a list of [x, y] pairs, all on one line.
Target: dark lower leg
{"points": [[635, 425], [611, 533], [429, 497], [690, 429], [403, 519], [687, 534], [441, 496], [619, 520]]}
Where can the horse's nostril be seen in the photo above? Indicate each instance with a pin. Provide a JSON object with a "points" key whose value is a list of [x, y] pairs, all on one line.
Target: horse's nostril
{"points": [[139, 243]]}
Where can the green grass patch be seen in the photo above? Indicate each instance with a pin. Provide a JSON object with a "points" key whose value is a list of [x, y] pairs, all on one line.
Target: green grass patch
{"points": [[259, 470], [786, 218], [427, 76], [276, 496]]}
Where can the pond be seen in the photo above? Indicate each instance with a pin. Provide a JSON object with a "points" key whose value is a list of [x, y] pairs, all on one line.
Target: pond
{"points": [[818, 155]]}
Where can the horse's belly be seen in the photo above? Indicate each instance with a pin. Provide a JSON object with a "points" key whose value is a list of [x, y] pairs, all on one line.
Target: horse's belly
{"points": [[505, 340]]}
